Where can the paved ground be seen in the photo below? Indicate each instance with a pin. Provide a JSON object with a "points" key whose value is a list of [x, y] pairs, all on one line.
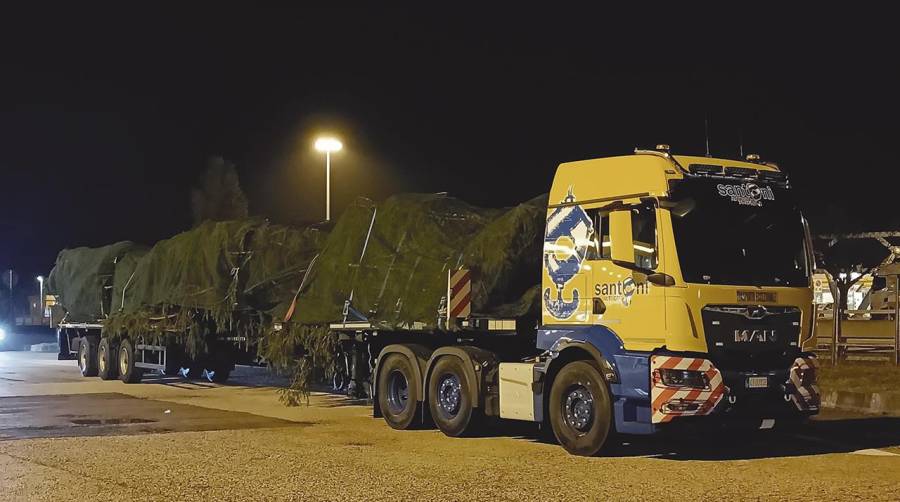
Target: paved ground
{"points": [[62, 437]]}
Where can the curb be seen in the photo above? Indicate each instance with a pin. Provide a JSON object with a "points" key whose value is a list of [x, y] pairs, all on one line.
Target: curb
{"points": [[879, 403], [44, 347]]}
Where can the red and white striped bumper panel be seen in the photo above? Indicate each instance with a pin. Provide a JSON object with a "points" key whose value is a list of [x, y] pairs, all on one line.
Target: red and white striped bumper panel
{"points": [[670, 402], [804, 393]]}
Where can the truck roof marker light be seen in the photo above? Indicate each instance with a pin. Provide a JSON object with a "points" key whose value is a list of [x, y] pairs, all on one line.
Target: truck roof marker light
{"points": [[753, 157], [662, 147], [705, 169]]}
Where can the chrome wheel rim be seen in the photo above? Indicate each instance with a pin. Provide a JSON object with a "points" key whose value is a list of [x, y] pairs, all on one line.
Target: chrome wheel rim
{"points": [[123, 361], [449, 394], [579, 408], [101, 363], [82, 358], [398, 392]]}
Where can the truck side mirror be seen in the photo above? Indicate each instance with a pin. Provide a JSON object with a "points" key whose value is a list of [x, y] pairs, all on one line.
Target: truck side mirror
{"points": [[620, 238]]}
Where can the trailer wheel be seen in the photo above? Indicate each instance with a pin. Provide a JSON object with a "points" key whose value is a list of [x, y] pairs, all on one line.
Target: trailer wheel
{"points": [[397, 391], [106, 360], [449, 401], [580, 408], [127, 372], [222, 364], [219, 375], [87, 356]]}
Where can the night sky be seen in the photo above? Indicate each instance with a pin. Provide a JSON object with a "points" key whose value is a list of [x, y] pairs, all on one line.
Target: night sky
{"points": [[107, 117]]}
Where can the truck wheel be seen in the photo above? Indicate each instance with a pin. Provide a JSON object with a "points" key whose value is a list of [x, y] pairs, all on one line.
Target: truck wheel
{"points": [[127, 372], [580, 408], [449, 400], [106, 360], [87, 356], [397, 391]]}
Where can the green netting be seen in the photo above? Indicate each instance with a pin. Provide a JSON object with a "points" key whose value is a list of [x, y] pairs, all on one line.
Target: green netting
{"points": [[196, 269], [124, 274], [80, 277], [219, 277], [388, 263], [279, 257], [391, 262]]}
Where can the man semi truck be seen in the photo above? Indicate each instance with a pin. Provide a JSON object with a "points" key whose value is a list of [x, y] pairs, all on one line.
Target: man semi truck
{"points": [[675, 290]]}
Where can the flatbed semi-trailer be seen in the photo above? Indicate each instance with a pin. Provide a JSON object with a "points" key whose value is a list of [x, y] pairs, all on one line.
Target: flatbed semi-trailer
{"points": [[129, 357], [675, 290]]}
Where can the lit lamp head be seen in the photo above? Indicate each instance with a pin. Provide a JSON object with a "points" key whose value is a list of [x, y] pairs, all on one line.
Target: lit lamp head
{"points": [[40, 278], [328, 145]]}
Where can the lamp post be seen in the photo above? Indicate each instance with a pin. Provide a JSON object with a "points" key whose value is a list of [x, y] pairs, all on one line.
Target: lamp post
{"points": [[40, 279], [328, 145]]}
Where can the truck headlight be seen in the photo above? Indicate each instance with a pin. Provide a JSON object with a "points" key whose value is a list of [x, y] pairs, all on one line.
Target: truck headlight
{"points": [[2, 334], [683, 378]]}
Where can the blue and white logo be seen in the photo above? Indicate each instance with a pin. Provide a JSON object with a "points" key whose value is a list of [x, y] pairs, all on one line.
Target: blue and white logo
{"points": [[566, 243]]}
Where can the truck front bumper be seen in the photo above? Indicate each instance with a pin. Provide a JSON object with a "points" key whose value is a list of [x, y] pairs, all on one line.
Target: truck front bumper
{"points": [[733, 395]]}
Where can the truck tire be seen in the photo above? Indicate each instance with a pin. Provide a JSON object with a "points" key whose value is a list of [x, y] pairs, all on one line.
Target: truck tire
{"points": [[127, 372], [397, 391], [580, 408], [87, 356], [449, 401], [106, 360]]}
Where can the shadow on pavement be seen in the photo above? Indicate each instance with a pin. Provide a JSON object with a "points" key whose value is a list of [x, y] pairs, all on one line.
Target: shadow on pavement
{"points": [[843, 435]]}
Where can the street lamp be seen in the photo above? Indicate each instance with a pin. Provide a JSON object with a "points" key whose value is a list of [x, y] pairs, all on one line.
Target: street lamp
{"points": [[40, 279], [328, 145]]}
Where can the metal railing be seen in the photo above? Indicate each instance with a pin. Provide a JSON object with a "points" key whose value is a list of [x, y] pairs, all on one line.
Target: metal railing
{"points": [[860, 334]]}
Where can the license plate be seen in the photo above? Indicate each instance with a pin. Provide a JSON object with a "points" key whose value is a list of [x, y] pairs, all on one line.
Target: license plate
{"points": [[757, 382]]}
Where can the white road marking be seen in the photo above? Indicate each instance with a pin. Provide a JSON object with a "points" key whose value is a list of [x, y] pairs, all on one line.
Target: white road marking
{"points": [[872, 452]]}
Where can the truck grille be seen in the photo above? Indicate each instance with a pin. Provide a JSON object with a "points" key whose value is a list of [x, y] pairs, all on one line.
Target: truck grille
{"points": [[751, 337]]}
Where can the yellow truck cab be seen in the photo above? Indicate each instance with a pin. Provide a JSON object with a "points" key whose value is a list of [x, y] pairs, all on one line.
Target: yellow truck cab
{"points": [[687, 282]]}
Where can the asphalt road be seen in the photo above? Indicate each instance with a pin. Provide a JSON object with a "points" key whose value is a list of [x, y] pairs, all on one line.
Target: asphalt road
{"points": [[63, 436]]}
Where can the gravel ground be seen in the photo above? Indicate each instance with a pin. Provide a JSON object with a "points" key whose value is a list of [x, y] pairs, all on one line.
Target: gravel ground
{"points": [[345, 454], [336, 451]]}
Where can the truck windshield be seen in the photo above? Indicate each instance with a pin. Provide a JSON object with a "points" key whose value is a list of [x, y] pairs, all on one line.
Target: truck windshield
{"points": [[739, 233]]}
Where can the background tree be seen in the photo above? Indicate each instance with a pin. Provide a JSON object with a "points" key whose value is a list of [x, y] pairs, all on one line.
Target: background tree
{"points": [[219, 196]]}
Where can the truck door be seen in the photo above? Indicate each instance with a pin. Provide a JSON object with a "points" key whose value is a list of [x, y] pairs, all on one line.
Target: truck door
{"points": [[634, 308]]}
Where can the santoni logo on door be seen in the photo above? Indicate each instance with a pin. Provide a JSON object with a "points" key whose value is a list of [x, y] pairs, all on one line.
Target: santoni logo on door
{"points": [[621, 292]]}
